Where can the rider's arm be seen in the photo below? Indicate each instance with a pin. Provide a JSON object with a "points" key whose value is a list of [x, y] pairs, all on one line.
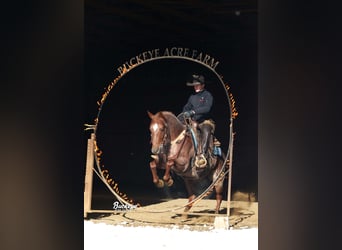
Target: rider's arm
{"points": [[188, 106]]}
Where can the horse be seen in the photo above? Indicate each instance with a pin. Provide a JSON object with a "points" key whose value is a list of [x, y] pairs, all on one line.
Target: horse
{"points": [[174, 149]]}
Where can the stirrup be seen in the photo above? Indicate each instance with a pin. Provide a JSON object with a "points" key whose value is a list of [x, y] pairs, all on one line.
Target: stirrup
{"points": [[200, 161]]}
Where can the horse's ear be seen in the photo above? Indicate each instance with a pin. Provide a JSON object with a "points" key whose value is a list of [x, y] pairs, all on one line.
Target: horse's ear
{"points": [[150, 114]]}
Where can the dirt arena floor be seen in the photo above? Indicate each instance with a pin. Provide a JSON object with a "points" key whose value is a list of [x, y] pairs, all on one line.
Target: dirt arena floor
{"points": [[169, 213]]}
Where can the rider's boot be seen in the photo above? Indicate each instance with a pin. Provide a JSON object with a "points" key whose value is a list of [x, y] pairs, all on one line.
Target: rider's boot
{"points": [[201, 160]]}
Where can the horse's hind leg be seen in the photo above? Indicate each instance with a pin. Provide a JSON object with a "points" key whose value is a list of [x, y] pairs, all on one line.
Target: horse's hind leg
{"points": [[191, 194], [219, 196], [219, 188]]}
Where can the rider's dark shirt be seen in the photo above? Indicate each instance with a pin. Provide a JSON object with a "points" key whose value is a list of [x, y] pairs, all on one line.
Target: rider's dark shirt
{"points": [[201, 103]]}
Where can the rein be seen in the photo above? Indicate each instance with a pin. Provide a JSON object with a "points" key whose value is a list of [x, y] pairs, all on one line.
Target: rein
{"points": [[167, 145], [180, 137]]}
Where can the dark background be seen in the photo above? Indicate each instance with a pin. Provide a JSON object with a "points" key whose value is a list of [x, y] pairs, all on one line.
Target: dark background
{"points": [[43, 106], [115, 32]]}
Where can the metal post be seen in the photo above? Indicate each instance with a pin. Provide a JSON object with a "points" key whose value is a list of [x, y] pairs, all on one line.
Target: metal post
{"points": [[230, 175], [223, 222], [88, 182]]}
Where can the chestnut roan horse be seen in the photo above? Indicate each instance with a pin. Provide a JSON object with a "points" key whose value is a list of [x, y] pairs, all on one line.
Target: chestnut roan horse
{"points": [[173, 150]]}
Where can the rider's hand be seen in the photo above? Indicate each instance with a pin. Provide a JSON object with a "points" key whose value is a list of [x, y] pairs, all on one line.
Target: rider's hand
{"points": [[188, 114]]}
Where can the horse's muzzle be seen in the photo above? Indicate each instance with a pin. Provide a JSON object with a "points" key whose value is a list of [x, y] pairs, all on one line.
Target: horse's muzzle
{"points": [[156, 150]]}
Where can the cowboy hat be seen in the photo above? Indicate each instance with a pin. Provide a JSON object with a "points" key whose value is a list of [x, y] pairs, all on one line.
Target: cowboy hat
{"points": [[196, 79]]}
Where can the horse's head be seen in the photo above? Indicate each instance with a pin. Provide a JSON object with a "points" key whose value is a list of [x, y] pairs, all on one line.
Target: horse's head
{"points": [[158, 129]]}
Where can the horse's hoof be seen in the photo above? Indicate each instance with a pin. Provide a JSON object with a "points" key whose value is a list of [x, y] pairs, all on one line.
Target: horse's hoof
{"points": [[186, 209], [169, 183], [184, 217], [160, 184]]}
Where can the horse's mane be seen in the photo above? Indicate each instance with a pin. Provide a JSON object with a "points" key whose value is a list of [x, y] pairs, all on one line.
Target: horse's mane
{"points": [[171, 117], [168, 113]]}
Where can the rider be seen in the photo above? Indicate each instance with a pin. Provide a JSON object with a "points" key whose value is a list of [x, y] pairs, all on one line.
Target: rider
{"points": [[198, 109]]}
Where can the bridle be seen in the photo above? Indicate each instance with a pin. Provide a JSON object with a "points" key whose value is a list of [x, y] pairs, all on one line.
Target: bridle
{"points": [[165, 144], [163, 147]]}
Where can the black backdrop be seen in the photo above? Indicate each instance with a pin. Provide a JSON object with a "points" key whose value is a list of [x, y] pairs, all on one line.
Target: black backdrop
{"points": [[45, 102]]}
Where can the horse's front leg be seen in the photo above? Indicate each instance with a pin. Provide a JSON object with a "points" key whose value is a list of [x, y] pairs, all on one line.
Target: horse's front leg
{"points": [[153, 165], [167, 177]]}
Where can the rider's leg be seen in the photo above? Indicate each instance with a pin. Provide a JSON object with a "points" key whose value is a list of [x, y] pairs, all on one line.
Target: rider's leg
{"points": [[206, 137], [206, 132]]}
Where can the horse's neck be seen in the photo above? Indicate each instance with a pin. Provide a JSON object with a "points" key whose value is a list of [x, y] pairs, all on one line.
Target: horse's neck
{"points": [[177, 139], [176, 128]]}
